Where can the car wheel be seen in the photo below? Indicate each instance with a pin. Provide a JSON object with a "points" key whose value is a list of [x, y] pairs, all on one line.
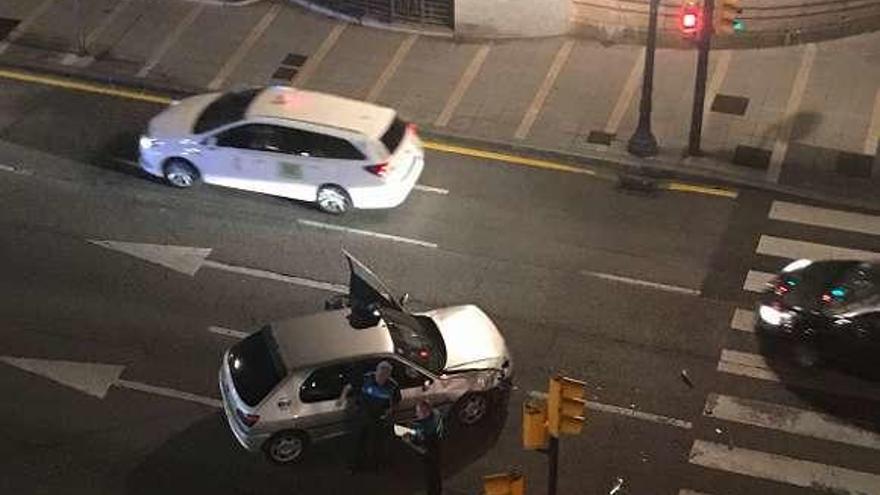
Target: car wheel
{"points": [[180, 173], [333, 200], [286, 447], [472, 408]]}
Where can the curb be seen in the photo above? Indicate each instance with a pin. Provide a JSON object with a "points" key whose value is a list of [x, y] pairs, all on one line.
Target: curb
{"points": [[397, 28]]}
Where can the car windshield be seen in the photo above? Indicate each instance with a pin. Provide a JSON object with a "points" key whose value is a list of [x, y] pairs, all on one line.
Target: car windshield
{"points": [[416, 339], [256, 366], [227, 109]]}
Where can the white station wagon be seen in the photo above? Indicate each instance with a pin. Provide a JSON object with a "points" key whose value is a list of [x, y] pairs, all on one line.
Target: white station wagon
{"points": [[287, 142]]}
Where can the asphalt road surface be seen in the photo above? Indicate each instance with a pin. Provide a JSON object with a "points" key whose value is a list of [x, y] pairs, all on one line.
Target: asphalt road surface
{"points": [[622, 290]]}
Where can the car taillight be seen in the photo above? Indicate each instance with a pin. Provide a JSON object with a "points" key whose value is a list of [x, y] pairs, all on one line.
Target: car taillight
{"points": [[413, 128], [248, 419], [380, 169], [781, 285]]}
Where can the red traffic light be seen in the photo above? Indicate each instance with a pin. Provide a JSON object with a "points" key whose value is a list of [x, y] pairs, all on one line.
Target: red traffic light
{"points": [[690, 19]]}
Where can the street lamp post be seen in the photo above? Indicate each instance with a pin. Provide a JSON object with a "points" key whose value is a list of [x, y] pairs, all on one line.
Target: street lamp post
{"points": [[643, 143]]}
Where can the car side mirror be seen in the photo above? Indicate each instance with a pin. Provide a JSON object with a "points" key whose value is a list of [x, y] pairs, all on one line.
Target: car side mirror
{"points": [[210, 141], [404, 299]]}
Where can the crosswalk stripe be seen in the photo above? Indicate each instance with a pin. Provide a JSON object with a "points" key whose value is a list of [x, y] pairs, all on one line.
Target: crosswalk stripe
{"points": [[789, 420], [743, 320], [823, 217], [756, 366], [685, 491], [756, 281], [793, 249], [798, 472]]}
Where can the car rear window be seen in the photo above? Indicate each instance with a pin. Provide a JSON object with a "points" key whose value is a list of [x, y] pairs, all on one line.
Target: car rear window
{"points": [[394, 135], [256, 366], [227, 109]]}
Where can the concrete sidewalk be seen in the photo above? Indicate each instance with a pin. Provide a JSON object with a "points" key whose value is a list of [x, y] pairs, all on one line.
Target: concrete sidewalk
{"points": [[802, 119]]}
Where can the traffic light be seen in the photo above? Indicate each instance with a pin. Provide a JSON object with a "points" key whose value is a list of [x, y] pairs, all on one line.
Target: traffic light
{"points": [[690, 19], [534, 424], [504, 484], [565, 405], [726, 17]]}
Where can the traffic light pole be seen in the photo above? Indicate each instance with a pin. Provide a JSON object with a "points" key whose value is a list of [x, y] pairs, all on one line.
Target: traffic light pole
{"points": [[643, 143], [703, 45], [552, 464]]}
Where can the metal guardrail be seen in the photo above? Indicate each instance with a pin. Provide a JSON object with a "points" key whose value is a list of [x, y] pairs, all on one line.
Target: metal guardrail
{"points": [[421, 12]]}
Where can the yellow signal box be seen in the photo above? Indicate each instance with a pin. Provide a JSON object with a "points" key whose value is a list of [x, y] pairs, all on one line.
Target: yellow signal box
{"points": [[566, 404], [726, 17], [534, 427], [504, 484]]}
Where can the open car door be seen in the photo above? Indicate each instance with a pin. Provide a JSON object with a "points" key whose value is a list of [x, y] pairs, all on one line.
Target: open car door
{"points": [[367, 294]]}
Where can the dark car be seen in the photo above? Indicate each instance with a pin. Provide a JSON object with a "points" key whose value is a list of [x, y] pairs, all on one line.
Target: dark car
{"points": [[824, 311]]}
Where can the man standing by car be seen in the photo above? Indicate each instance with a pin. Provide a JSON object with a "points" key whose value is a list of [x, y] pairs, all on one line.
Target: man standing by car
{"points": [[428, 430], [376, 399]]}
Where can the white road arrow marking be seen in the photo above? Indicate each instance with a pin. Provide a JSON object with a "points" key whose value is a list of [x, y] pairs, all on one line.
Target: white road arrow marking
{"points": [[189, 260], [95, 379]]}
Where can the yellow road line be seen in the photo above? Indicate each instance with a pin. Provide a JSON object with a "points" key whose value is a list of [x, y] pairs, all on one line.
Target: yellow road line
{"points": [[503, 157], [692, 188], [61, 82]]}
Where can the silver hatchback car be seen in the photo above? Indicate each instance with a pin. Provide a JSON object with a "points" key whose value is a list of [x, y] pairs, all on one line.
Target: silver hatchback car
{"points": [[282, 385]]}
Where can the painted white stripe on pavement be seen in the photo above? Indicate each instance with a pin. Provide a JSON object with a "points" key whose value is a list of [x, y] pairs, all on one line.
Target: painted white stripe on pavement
{"points": [[438, 190], [169, 41], [780, 147], [794, 249], [722, 63], [643, 283], [684, 491], [807, 474], [633, 81], [623, 411], [789, 420], [169, 392], [757, 281], [244, 47], [823, 217], [538, 101], [463, 84], [392, 67], [873, 137], [24, 25], [280, 277], [312, 63], [743, 320], [228, 332], [828, 381], [369, 233]]}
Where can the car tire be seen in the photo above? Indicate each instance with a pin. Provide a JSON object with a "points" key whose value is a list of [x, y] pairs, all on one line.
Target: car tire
{"points": [[180, 173], [472, 408], [333, 200], [286, 447]]}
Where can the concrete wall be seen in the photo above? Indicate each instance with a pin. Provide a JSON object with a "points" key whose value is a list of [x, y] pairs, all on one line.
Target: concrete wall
{"points": [[512, 18]]}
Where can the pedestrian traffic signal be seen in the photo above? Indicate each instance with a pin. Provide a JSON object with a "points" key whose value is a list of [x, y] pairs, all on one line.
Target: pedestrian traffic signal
{"points": [[726, 17], [565, 405], [690, 19], [534, 424], [504, 484]]}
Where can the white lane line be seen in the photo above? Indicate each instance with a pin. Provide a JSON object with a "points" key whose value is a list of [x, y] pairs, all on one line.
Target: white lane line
{"points": [[757, 281], [169, 392], [794, 249], [423, 188], [463, 84], [743, 320], [169, 40], [789, 420], [807, 474], [645, 416], [643, 283], [228, 332], [290, 279], [391, 69], [244, 47], [24, 25], [369, 233], [824, 217], [626, 94], [538, 102], [83, 61], [756, 366], [685, 491], [871, 140], [312, 63], [780, 147], [722, 63]]}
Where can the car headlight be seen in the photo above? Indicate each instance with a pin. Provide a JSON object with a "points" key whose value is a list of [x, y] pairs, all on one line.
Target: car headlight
{"points": [[773, 316], [146, 142]]}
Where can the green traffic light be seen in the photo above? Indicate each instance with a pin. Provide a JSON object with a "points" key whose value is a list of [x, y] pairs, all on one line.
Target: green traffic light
{"points": [[739, 25]]}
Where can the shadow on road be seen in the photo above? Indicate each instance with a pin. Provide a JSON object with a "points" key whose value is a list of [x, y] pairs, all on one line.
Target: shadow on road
{"points": [[205, 458]]}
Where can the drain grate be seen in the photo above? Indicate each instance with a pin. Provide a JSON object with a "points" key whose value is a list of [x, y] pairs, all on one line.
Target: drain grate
{"points": [[6, 26], [854, 165], [289, 67], [749, 156], [599, 137], [733, 105]]}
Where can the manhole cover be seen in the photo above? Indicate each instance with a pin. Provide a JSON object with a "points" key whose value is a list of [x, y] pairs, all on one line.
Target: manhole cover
{"points": [[733, 105]]}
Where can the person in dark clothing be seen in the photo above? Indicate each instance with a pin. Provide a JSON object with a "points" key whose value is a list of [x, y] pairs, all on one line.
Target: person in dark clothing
{"points": [[425, 439], [376, 399]]}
